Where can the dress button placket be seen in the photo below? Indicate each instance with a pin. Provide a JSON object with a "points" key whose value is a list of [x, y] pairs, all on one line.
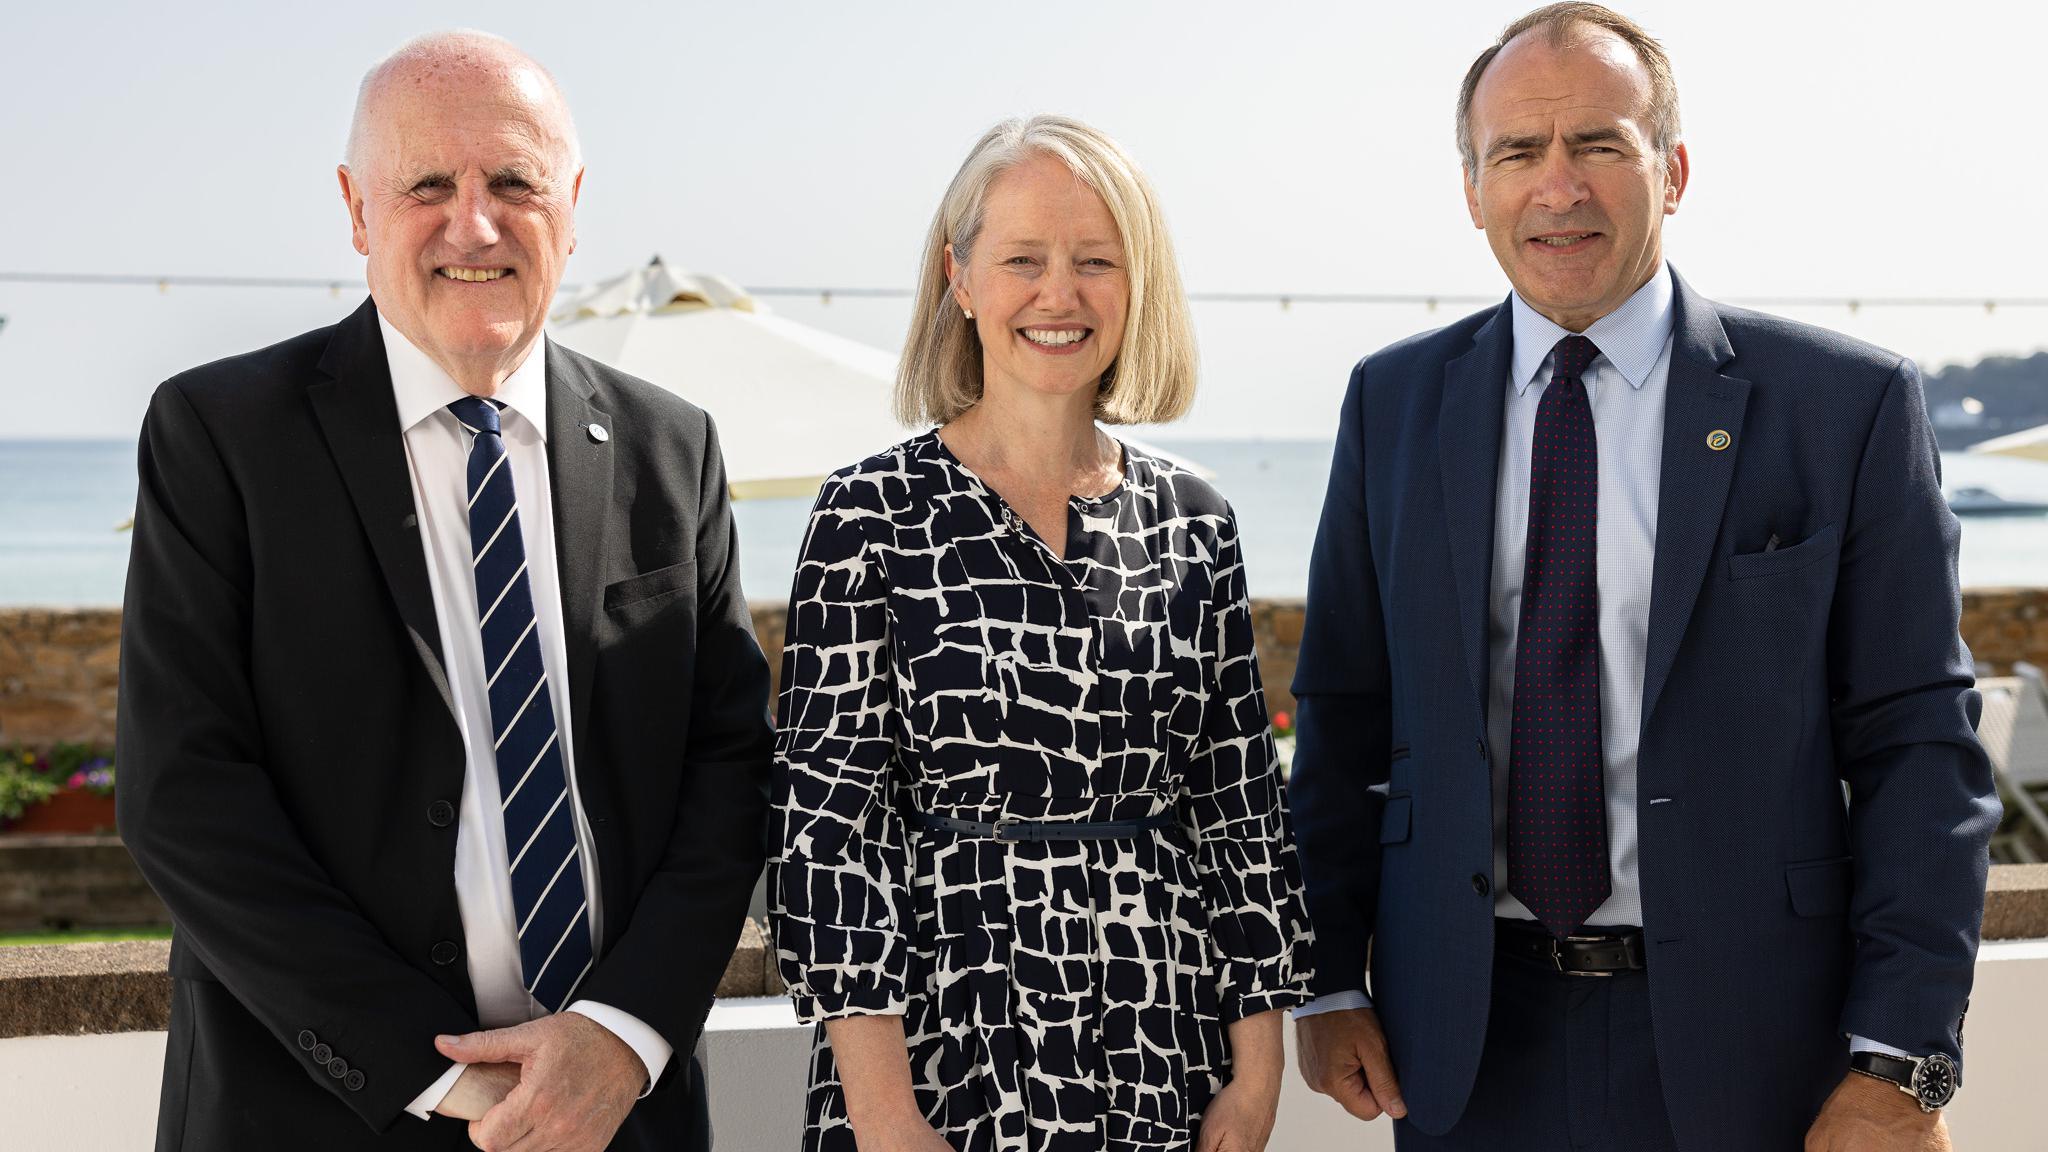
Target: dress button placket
{"points": [[1074, 612]]}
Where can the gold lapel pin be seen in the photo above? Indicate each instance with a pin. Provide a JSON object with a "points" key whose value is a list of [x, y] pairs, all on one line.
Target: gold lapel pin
{"points": [[1718, 440]]}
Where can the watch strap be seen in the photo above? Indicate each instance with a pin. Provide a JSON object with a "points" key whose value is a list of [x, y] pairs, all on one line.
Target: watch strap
{"points": [[1897, 1069]]}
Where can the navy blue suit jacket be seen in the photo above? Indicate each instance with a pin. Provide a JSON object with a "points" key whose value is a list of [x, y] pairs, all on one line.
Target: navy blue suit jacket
{"points": [[1777, 917]]}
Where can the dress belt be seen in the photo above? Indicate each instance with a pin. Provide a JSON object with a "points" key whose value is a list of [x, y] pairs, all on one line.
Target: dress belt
{"points": [[1042, 829], [1594, 953]]}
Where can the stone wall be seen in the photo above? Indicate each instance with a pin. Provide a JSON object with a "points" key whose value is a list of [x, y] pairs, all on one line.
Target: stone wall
{"points": [[62, 882], [1277, 625], [57, 675], [58, 667], [2002, 625], [124, 986]]}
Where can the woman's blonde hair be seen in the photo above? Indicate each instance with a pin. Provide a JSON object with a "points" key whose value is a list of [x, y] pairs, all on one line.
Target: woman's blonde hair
{"points": [[1152, 380]]}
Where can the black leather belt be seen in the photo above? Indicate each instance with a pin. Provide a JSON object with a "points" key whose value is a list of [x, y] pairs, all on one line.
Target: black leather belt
{"points": [[1042, 829], [1593, 954]]}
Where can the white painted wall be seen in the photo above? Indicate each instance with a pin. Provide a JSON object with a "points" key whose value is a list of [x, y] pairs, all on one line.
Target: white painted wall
{"points": [[99, 1093], [81, 1093]]}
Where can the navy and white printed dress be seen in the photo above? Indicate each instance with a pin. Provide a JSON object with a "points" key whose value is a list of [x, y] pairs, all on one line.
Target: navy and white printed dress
{"points": [[1056, 996]]}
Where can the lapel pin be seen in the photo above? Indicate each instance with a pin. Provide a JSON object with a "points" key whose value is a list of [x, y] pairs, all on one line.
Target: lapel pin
{"points": [[598, 433], [1718, 440]]}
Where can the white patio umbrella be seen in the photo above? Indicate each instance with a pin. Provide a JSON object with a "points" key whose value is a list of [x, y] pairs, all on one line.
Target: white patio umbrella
{"points": [[793, 404], [2030, 443]]}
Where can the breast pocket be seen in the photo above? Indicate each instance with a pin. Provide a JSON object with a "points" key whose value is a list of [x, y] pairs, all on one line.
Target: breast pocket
{"points": [[650, 586], [1808, 552], [652, 616]]}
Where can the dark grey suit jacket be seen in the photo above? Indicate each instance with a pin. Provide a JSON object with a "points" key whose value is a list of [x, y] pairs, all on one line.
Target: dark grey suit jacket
{"points": [[1777, 917], [288, 743]]}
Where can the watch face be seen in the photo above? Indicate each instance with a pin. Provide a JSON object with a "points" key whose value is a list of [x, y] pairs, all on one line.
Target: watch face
{"points": [[1935, 1081]]}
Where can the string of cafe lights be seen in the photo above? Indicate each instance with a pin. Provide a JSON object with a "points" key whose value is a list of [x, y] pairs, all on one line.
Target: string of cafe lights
{"points": [[827, 294]]}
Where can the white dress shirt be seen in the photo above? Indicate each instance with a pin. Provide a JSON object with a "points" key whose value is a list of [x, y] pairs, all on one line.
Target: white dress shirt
{"points": [[437, 455], [1626, 386]]}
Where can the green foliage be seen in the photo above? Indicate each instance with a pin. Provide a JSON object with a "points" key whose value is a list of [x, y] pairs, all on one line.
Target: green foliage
{"points": [[28, 779], [22, 787]]}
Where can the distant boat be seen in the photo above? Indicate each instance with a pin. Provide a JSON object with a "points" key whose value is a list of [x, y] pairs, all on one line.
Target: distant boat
{"points": [[1985, 502]]}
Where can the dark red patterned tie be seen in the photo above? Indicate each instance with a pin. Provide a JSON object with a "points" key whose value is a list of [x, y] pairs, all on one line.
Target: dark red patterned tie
{"points": [[1557, 803]]}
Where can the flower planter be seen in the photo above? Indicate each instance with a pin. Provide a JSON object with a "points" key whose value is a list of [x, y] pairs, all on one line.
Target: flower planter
{"points": [[78, 810]]}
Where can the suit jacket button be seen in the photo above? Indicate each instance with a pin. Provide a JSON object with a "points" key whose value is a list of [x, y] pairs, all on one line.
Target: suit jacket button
{"points": [[307, 1040], [440, 813], [322, 1054], [445, 953], [1481, 884], [353, 1081], [337, 1067]]}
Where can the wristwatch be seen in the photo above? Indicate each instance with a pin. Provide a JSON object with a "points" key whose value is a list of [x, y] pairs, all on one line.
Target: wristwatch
{"points": [[1931, 1080]]}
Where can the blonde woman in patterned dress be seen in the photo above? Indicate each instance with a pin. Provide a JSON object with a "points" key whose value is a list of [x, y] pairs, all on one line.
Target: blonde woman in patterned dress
{"points": [[1034, 877]]}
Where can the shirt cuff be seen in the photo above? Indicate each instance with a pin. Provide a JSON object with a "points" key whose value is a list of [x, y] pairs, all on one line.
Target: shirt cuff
{"points": [[1334, 1002], [1862, 1044], [423, 1105], [646, 1043]]}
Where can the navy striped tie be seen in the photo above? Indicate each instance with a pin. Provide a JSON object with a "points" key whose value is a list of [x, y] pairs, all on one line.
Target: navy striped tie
{"points": [[540, 821]]}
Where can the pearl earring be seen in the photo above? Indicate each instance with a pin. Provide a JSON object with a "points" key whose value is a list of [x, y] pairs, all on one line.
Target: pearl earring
{"points": [[967, 312]]}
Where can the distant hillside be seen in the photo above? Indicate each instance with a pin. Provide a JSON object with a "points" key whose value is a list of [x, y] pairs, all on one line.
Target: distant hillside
{"points": [[2012, 392]]}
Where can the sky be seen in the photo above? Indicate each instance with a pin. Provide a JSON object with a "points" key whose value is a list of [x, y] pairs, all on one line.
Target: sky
{"points": [[1867, 150]]}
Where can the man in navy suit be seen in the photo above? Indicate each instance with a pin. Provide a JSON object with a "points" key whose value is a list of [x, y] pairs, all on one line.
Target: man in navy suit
{"points": [[1618, 592]]}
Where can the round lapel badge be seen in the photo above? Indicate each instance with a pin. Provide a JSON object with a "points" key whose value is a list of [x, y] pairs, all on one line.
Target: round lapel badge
{"points": [[598, 433], [1718, 440]]}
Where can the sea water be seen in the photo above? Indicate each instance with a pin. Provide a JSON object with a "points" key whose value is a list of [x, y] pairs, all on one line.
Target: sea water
{"points": [[62, 503]]}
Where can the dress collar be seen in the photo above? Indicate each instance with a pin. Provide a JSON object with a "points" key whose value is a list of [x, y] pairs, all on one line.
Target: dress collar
{"points": [[1631, 338], [423, 388]]}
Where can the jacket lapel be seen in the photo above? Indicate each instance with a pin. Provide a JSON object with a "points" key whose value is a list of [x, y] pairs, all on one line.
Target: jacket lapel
{"points": [[1468, 450], [358, 414], [580, 473], [1702, 400]]}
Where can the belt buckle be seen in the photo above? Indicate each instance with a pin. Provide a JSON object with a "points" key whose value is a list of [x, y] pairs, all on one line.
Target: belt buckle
{"points": [[1003, 826], [1557, 950]]}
